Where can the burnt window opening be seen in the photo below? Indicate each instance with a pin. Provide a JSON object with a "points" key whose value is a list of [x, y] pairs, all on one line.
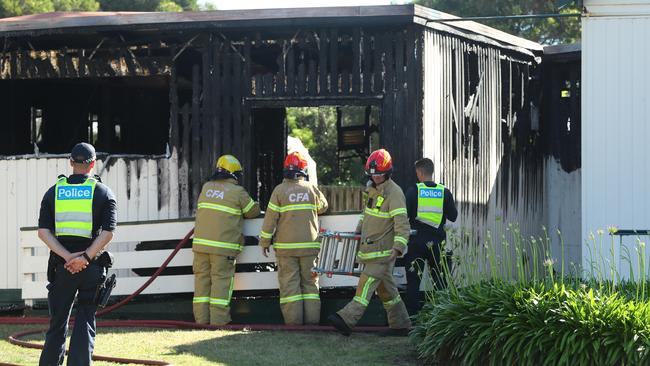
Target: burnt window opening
{"points": [[356, 132], [36, 124], [471, 81], [506, 90], [560, 112], [122, 115], [93, 128], [350, 131], [568, 98]]}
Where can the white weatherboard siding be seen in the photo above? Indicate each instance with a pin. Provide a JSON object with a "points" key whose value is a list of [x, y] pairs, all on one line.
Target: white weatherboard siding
{"points": [[615, 132], [23, 182], [617, 7]]}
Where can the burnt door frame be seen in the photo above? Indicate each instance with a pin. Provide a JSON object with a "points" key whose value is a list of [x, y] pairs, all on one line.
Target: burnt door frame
{"points": [[253, 103]]}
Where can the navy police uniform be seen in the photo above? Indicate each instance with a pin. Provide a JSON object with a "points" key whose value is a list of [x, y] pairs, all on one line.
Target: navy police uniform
{"points": [[424, 246], [64, 286]]}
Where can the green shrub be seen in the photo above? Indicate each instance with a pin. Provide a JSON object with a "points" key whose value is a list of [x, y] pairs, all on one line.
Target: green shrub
{"points": [[514, 305], [500, 323]]}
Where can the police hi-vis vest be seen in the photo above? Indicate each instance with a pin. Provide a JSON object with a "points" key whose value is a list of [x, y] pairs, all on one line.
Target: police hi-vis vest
{"points": [[430, 204], [73, 208]]}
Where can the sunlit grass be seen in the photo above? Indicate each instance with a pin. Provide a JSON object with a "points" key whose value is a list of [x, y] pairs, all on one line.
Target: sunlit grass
{"points": [[182, 347]]}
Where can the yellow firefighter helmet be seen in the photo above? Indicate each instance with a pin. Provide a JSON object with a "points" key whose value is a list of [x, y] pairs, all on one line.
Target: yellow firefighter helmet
{"points": [[229, 164]]}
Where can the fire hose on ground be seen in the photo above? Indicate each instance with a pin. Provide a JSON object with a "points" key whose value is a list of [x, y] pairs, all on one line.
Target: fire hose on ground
{"points": [[165, 324]]}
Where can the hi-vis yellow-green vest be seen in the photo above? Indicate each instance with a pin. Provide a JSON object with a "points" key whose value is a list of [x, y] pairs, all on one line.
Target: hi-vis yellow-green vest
{"points": [[430, 204], [73, 208]]}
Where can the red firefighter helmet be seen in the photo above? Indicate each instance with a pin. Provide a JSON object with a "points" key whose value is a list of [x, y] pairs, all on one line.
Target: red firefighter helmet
{"points": [[295, 164], [379, 163]]}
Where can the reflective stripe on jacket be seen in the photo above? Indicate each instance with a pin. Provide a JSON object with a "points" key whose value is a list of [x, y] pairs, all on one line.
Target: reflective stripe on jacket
{"points": [[384, 224], [291, 219], [221, 209]]}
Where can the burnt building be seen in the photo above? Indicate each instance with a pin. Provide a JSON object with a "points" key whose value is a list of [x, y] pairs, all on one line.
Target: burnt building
{"points": [[162, 94]]}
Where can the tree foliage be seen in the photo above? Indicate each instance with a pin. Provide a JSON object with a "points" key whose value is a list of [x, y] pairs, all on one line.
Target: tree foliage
{"points": [[75, 5], [13, 8], [149, 5], [316, 128], [544, 30], [168, 5]]}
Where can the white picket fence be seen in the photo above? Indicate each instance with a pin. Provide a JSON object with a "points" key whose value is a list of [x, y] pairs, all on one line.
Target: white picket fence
{"points": [[35, 256]]}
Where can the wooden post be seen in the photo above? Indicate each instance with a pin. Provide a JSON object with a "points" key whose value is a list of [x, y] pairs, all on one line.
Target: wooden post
{"points": [[236, 106], [207, 154], [356, 61], [322, 62], [196, 134], [367, 62], [217, 96], [334, 61], [184, 165]]}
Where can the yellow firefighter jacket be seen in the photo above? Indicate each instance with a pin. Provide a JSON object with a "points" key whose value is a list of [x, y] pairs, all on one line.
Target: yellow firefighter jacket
{"points": [[221, 209], [291, 219], [384, 224]]}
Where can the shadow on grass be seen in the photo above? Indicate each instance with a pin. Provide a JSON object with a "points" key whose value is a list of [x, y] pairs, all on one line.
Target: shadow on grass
{"points": [[184, 347], [301, 348]]}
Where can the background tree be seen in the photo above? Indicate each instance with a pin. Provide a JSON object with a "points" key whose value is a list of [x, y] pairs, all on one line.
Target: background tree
{"points": [[545, 31], [75, 5], [168, 5], [316, 128], [149, 5], [13, 8]]}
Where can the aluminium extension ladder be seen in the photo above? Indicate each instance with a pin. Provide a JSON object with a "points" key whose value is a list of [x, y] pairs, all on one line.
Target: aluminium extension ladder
{"points": [[338, 254]]}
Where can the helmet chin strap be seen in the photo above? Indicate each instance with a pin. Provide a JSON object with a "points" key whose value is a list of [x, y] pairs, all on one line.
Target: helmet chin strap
{"points": [[371, 182], [294, 174], [225, 173]]}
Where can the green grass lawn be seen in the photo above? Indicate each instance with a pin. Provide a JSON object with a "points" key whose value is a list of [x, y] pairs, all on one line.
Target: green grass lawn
{"points": [[181, 347]]}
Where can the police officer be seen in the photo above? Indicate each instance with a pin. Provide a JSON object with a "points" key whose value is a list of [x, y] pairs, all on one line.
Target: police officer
{"points": [[218, 239], [429, 206], [77, 220], [384, 231], [291, 220]]}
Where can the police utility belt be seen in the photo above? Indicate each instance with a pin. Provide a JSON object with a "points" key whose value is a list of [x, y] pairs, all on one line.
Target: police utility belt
{"points": [[104, 259]]}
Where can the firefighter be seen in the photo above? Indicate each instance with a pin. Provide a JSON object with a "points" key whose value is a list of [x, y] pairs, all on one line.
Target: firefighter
{"points": [[428, 205], [384, 230], [77, 218], [218, 239], [291, 220]]}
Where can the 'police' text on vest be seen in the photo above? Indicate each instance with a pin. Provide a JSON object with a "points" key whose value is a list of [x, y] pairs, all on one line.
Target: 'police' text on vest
{"points": [[74, 193], [430, 193]]}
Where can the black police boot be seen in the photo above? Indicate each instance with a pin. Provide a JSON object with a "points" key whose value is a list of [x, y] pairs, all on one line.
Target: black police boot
{"points": [[339, 324]]}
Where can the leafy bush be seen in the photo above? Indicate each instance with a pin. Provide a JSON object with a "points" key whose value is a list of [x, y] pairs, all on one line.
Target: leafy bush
{"points": [[489, 315], [501, 323]]}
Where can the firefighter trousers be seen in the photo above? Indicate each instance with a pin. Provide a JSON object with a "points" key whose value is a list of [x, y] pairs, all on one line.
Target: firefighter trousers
{"points": [[377, 277], [214, 276], [299, 298]]}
